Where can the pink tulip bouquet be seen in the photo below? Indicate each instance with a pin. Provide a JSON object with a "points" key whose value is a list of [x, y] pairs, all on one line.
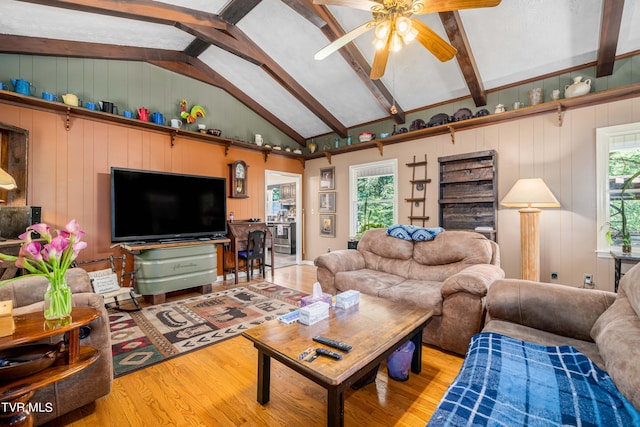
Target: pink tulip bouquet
{"points": [[51, 260]]}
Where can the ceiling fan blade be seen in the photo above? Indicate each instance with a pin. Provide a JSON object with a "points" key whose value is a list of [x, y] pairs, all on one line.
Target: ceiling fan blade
{"points": [[380, 61], [338, 43], [355, 4], [421, 7], [433, 42]]}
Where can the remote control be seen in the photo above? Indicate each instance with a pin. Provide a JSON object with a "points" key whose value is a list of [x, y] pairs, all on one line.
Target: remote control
{"points": [[328, 353], [333, 343]]}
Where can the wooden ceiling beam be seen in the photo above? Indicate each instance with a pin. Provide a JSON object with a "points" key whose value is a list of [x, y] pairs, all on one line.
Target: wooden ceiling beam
{"points": [[609, 34], [196, 47], [141, 10], [320, 16], [200, 71], [458, 37], [50, 47], [235, 10], [236, 42]]}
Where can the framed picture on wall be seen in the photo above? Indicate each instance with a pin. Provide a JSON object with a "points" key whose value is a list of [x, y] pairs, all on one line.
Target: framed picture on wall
{"points": [[327, 202], [327, 225], [327, 180]]}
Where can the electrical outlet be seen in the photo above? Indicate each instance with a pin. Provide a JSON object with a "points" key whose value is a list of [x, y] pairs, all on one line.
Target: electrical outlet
{"points": [[554, 276], [588, 280]]}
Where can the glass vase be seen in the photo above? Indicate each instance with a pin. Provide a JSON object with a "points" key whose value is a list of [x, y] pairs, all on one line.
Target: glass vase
{"points": [[626, 248], [57, 300]]}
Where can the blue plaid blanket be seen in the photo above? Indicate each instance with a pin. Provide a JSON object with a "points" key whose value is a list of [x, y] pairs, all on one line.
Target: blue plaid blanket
{"points": [[508, 382]]}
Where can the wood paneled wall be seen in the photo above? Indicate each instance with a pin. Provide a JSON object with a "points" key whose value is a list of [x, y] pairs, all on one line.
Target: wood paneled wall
{"points": [[564, 156], [68, 171]]}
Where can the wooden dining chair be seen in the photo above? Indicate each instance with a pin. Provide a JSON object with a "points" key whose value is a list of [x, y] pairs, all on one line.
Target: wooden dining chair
{"points": [[255, 251]]}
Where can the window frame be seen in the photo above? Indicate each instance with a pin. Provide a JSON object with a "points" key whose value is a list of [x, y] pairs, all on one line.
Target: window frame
{"points": [[353, 190], [604, 138]]}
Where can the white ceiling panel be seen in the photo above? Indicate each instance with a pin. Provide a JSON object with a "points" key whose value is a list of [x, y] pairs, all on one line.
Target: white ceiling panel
{"points": [[210, 6], [552, 35], [26, 19], [253, 81], [292, 41], [629, 28]]}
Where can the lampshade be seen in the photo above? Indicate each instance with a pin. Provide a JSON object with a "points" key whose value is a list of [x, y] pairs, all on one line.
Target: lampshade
{"points": [[6, 181], [531, 193]]}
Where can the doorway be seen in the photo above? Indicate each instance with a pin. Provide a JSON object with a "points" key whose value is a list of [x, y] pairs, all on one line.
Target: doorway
{"points": [[283, 214]]}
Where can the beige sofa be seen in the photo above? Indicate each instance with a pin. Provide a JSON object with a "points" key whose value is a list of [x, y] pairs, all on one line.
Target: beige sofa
{"points": [[602, 325], [449, 275], [88, 385]]}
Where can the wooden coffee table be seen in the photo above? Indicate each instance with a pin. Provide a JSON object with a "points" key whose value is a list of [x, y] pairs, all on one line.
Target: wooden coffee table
{"points": [[375, 328]]}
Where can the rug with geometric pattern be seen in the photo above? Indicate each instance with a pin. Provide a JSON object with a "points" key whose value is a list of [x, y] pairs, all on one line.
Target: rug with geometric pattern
{"points": [[156, 333]]}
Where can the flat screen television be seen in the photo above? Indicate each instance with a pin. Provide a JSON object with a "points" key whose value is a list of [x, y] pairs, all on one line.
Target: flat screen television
{"points": [[156, 206]]}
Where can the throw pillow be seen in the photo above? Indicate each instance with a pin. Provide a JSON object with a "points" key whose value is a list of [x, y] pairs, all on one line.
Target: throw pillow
{"points": [[412, 232]]}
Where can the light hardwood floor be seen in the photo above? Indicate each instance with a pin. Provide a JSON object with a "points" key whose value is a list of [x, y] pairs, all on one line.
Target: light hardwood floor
{"points": [[216, 386]]}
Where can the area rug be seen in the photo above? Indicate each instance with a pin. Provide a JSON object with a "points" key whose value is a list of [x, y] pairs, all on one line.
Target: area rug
{"points": [[160, 332]]}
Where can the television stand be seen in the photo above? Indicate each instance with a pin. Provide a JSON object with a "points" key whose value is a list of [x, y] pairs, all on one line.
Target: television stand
{"points": [[161, 267]]}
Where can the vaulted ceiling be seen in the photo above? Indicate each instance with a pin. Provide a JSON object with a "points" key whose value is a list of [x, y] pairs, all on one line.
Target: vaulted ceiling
{"points": [[261, 51]]}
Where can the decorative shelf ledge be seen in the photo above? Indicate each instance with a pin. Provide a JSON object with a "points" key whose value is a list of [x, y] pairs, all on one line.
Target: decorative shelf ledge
{"points": [[558, 107], [70, 112]]}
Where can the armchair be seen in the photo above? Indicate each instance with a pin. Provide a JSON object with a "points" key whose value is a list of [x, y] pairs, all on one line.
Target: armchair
{"points": [[88, 385]]}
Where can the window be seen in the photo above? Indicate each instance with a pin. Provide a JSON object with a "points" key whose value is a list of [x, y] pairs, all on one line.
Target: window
{"points": [[372, 195], [617, 161]]}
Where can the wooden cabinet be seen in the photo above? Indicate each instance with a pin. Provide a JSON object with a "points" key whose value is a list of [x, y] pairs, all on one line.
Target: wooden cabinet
{"points": [[288, 192], [468, 192]]}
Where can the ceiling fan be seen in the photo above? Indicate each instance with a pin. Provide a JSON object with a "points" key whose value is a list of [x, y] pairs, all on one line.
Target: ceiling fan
{"points": [[393, 26]]}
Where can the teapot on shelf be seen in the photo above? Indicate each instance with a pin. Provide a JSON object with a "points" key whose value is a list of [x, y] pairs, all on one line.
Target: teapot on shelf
{"points": [[143, 114], [70, 99], [577, 88], [23, 87]]}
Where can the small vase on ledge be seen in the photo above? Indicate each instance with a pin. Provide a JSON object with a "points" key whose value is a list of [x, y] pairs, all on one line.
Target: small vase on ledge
{"points": [[57, 299], [626, 248]]}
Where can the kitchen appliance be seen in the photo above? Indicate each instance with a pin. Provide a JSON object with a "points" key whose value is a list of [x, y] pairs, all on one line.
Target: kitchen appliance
{"points": [[284, 237]]}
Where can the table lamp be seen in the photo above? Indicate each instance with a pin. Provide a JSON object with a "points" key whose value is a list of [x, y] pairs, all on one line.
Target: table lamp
{"points": [[6, 181], [530, 194]]}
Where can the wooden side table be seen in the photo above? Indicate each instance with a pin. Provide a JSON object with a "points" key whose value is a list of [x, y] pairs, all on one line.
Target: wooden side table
{"points": [[30, 327], [620, 257]]}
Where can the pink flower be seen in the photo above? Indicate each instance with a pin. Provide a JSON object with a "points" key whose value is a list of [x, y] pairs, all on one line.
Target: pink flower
{"points": [[42, 229], [72, 231], [77, 247], [31, 250], [20, 262], [54, 258]]}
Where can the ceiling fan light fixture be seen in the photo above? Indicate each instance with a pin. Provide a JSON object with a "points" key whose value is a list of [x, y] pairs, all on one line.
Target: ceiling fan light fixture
{"points": [[403, 26], [396, 42], [378, 44], [410, 36], [382, 30]]}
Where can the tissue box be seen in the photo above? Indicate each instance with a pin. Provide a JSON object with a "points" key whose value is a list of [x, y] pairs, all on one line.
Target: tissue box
{"points": [[348, 299], [314, 313], [310, 299]]}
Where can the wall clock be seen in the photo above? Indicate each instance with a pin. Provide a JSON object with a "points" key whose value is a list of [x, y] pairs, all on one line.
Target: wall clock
{"points": [[238, 179]]}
